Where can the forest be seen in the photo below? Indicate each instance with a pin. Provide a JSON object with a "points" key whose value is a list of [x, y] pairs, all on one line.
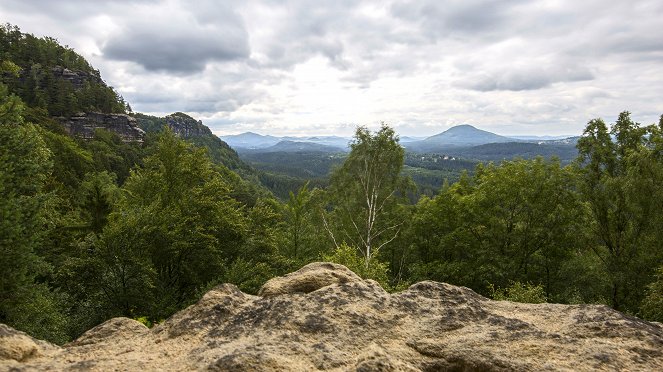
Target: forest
{"points": [[100, 228]]}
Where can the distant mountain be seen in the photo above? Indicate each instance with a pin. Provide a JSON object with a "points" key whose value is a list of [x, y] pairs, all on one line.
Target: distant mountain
{"points": [[562, 149], [459, 136], [466, 135], [333, 141], [250, 140], [408, 139], [254, 141], [562, 141], [298, 146], [540, 138]]}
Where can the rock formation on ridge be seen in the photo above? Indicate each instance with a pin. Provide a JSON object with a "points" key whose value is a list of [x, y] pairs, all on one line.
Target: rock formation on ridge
{"points": [[324, 317], [76, 78], [185, 126], [84, 124]]}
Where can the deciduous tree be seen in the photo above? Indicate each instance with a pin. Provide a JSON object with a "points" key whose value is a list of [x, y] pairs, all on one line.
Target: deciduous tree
{"points": [[366, 190]]}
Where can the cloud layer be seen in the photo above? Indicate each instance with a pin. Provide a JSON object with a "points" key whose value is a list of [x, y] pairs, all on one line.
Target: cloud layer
{"points": [[297, 67]]}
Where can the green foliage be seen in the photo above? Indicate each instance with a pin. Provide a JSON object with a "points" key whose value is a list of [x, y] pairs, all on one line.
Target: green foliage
{"points": [[520, 292], [365, 193], [38, 312], [110, 154], [302, 165], [218, 151], [519, 221], [71, 161], [146, 322], [652, 305], [35, 72], [100, 228], [620, 181], [25, 165], [98, 193], [172, 230], [298, 215], [351, 258], [248, 275], [282, 185]]}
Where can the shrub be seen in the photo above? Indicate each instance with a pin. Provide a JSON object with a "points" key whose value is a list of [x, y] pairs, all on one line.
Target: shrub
{"points": [[519, 292], [350, 258]]}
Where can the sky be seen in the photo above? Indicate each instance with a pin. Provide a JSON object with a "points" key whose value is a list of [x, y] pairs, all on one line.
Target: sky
{"points": [[294, 67]]}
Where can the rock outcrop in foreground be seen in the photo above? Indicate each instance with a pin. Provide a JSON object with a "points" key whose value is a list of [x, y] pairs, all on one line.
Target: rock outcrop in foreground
{"points": [[325, 317]]}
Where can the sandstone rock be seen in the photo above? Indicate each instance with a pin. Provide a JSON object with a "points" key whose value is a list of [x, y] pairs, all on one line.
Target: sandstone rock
{"points": [[323, 317], [16, 346], [112, 331], [84, 124], [76, 78], [185, 126], [308, 279]]}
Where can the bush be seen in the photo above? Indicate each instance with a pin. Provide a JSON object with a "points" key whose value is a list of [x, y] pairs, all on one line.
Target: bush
{"points": [[350, 258], [519, 292], [248, 276], [652, 306]]}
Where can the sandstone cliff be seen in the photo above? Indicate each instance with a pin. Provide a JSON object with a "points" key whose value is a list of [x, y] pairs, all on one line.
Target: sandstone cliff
{"points": [[84, 124], [185, 126], [324, 317], [76, 78]]}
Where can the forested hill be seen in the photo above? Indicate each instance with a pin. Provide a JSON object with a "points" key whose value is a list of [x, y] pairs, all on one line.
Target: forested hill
{"points": [[57, 85], [195, 132], [53, 79]]}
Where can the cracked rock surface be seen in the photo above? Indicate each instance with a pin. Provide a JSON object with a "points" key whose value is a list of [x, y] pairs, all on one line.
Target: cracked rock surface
{"points": [[324, 317]]}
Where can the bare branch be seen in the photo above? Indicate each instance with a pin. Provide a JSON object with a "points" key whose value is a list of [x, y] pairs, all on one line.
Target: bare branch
{"points": [[326, 225], [388, 241]]}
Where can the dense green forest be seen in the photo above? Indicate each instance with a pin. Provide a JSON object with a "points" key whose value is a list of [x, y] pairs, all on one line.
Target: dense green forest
{"points": [[93, 229]]}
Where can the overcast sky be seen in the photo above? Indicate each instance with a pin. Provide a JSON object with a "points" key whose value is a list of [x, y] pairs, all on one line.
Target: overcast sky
{"points": [[513, 67]]}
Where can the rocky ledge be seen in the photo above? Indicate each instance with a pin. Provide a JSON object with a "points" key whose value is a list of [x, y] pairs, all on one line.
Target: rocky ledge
{"points": [[84, 125], [185, 126], [324, 317]]}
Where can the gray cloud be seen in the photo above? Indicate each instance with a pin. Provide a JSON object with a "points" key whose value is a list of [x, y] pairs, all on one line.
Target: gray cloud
{"points": [[460, 17], [527, 77], [66, 9], [182, 43], [476, 61]]}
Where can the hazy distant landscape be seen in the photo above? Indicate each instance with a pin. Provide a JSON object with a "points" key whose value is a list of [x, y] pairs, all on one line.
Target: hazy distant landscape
{"points": [[429, 161]]}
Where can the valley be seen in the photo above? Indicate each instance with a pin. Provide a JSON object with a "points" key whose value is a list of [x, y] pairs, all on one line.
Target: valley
{"points": [[430, 161]]}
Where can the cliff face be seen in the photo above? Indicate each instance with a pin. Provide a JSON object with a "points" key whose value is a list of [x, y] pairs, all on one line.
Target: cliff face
{"points": [[84, 124], [76, 78], [185, 126], [324, 317]]}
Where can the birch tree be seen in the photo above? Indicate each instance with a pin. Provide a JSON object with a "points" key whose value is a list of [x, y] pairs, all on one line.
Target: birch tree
{"points": [[365, 192]]}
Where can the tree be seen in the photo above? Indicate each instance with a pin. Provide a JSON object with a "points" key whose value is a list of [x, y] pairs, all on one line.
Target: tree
{"points": [[620, 180], [98, 193], [172, 232], [299, 214], [366, 190], [25, 165], [652, 305], [519, 221]]}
